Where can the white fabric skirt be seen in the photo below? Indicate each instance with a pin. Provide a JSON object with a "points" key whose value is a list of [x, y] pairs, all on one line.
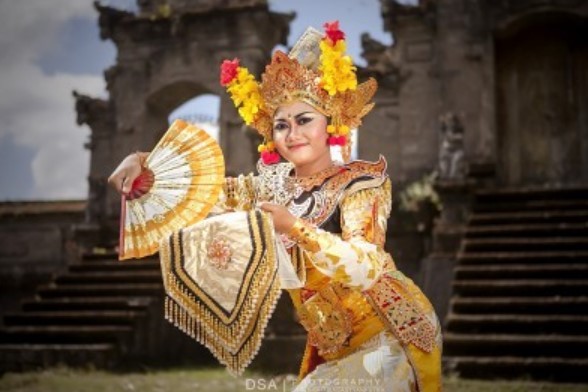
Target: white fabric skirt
{"points": [[378, 365]]}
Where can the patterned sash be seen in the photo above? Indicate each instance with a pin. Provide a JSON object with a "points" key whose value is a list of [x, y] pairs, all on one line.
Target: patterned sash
{"points": [[221, 281]]}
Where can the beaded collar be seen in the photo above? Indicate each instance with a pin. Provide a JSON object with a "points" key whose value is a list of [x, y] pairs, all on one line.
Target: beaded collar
{"points": [[314, 180], [276, 184]]}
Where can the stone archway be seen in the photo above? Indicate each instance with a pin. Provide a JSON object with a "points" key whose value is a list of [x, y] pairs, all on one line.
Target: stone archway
{"points": [[163, 101], [202, 110], [164, 59], [542, 86]]}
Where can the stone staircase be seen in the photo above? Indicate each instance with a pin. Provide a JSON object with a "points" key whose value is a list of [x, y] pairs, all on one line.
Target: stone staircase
{"points": [[520, 290], [102, 313]]}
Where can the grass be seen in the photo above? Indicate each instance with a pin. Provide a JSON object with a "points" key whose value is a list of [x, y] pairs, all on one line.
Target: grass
{"points": [[217, 380]]}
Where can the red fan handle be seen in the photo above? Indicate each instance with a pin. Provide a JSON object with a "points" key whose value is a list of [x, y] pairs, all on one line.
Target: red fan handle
{"points": [[141, 185], [121, 235]]}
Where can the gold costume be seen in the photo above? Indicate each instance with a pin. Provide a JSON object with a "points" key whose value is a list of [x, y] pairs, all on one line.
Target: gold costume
{"points": [[369, 327], [354, 300]]}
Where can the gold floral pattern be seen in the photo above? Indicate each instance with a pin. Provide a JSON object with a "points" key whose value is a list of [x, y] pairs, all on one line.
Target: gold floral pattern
{"points": [[328, 322], [219, 253]]}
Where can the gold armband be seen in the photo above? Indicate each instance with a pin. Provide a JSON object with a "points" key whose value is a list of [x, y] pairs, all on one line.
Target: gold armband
{"points": [[304, 235]]}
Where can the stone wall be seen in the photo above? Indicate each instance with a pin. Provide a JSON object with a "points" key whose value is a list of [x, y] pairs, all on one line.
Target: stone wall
{"points": [[443, 61], [36, 242]]}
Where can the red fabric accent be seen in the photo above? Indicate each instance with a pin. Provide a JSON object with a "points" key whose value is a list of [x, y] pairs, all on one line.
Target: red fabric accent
{"points": [[123, 213], [305, 294], [314, 359]]}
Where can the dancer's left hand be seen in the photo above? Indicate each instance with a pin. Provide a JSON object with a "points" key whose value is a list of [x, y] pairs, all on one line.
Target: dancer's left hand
{"points": [[283, 219]]}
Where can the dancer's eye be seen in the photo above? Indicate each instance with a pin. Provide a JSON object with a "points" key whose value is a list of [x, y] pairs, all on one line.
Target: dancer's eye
{"points": [[280, 126], [304, 120]]}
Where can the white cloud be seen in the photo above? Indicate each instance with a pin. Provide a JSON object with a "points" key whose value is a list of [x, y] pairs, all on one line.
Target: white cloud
{"points": [[29, 26], [42, 116], [38, 109]]}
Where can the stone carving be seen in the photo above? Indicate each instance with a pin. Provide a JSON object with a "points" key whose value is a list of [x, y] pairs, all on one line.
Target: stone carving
{"points": [[377, 55], [395, 12], [109, 18], [451, 153], [157, 7], [89, 110], [382, 63]]}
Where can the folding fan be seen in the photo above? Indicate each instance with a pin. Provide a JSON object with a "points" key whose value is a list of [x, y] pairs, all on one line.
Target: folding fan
{"points": [[181, 182]]}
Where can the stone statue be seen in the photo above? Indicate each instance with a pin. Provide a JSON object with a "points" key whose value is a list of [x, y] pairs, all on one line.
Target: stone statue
{"points": [[451, 152]]}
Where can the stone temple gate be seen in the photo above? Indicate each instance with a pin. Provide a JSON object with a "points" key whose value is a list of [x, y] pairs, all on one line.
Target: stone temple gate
{"points": [[513, 73], [164, 59], [490, 94]]}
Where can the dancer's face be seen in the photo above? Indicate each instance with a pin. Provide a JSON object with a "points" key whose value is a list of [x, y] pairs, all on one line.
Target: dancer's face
{"points": [[300, 135]]}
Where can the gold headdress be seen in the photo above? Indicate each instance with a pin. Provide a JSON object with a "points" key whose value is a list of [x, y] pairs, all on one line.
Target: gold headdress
{"points": [[318, 72]]}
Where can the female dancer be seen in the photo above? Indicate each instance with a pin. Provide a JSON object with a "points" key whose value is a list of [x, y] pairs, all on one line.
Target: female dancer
{"points": [[369, 327]]}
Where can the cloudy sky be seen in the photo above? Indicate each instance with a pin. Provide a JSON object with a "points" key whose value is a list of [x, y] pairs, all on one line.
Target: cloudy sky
{"points": [[51, 47]]}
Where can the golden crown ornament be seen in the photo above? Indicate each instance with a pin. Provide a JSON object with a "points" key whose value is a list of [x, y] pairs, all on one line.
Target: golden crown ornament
{"points": [[318, 72]]}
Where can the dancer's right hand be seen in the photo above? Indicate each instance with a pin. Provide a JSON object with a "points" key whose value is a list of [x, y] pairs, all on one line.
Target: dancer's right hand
{"points": [[123, 176]]}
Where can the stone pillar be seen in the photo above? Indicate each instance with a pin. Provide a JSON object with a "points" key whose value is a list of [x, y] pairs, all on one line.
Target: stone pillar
{"points": [[437, 269], [98, 114]]}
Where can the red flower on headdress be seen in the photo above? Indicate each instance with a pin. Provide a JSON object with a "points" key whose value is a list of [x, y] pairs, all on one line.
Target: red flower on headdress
{"points": [[337, 141], [333, 32], [270, 157], [228, 71]]}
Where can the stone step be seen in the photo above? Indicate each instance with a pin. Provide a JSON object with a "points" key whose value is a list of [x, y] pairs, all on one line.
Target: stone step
{"points": [[571, 256], [526, 194], [72, 334], [108, 254], [87, 303], [501, 345], [527, 230], [551, 244], [107, 266], [520, 307], [496, 218], [531, 305], [531, 205], [92, 277], [93, 317], [509, 323], [517, 367], [134, 289], [31, 357], [520, 288], [521, 271], [113, 257]]}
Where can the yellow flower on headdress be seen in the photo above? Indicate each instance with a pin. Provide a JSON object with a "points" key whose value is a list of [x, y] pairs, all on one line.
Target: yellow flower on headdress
{"points": [[243, 88], [337, 69]]}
